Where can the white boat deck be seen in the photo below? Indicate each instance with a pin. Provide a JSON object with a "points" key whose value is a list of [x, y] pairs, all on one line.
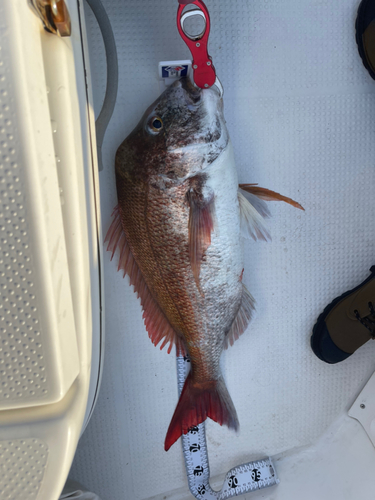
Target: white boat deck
{"points": [[300, 109]]}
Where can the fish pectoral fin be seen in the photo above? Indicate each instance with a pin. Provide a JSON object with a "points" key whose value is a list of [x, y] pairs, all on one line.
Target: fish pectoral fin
{"points": [[201, 222], [243, 318], [157, 325], [268, 195], [252, 222]]}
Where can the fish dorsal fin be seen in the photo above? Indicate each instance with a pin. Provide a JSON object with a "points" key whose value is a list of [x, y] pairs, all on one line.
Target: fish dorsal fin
{"points": [[268, 195], [157, 325], [201, 223], [242, 319], [252, 222]]}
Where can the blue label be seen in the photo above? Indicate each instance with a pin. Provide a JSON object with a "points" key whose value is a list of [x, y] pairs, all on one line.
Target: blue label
{"points": [[174, 71]]}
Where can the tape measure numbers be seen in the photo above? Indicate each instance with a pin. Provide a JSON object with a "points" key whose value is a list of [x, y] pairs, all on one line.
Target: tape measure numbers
{"points": [[241, 479]]}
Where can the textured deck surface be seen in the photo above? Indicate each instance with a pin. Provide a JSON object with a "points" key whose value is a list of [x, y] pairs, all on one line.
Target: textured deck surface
{"points": [[300, 109]]}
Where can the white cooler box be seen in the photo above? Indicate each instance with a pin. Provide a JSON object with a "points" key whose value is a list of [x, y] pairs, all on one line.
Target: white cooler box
{"points": [[51, 300]]}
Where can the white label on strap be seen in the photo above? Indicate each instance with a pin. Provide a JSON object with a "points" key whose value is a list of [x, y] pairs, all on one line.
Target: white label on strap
{"points": [[241, 479], [170, 71]]}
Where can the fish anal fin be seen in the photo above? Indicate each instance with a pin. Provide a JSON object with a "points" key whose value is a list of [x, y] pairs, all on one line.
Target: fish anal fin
{"points": [[242, 319], [201, 222], [157, 325], [196, 403], [268, 195]]}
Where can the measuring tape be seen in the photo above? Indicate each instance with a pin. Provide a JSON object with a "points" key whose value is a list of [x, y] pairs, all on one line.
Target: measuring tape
{"points": [[241, 479]]}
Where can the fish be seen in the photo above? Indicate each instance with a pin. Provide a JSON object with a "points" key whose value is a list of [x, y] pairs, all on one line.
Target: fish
{"points": [[177, 230]]}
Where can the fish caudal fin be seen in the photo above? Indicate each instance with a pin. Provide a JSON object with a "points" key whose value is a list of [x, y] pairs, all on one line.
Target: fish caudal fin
{"points": [[196, 403]]}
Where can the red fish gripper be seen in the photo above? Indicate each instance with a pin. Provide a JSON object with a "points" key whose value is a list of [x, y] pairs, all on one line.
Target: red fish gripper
{"points": [[204, 71]]}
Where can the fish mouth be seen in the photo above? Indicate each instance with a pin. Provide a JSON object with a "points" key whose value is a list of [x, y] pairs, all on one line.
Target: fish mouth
{"points": [[194, 93]]}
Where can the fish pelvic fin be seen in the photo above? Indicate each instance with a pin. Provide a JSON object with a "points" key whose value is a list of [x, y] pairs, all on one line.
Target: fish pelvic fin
{"points": [[201, 201], [268, 195], [243, 318], [196, 403], [252, 222], [254, 210], [157, 325]]}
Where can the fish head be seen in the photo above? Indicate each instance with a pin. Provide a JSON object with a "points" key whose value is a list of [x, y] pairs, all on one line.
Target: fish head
{"points": [[179, 135]]}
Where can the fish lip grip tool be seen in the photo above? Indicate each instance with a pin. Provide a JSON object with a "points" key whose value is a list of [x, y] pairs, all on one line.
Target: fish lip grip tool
{"points": [[204, 70]]}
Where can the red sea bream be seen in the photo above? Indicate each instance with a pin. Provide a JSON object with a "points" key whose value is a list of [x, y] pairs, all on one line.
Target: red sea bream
{"points": [[177, 226]]}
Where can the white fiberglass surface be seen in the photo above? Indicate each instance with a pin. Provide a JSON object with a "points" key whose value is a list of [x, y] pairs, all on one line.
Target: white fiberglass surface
{"points": [[300, 109]]}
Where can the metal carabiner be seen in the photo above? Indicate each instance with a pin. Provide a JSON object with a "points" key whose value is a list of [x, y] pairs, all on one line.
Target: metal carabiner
{"points": [[204, 71]]}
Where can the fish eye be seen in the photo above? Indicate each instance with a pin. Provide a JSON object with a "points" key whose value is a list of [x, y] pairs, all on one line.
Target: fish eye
{"points": [[156, 124]]}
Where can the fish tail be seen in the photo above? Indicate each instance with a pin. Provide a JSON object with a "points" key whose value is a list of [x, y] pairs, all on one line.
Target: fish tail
{"points": [[196, 403]]}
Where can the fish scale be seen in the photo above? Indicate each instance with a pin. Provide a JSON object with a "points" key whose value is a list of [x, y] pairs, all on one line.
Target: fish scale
{"points": [[173, 268]]}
